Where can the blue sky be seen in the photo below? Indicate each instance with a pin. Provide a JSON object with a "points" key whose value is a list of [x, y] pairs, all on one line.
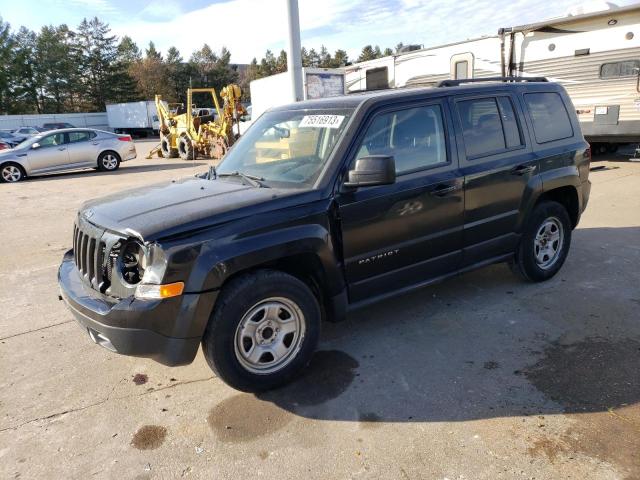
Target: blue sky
{"points": [[249, 27]]}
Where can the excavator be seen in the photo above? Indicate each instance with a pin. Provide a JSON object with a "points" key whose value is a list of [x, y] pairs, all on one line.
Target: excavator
{"points": [[190, 132]]}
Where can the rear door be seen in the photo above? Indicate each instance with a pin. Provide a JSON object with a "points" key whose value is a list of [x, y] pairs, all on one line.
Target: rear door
{"points": [[400, 235], [82, 148], [498, 166], [52, 154]]}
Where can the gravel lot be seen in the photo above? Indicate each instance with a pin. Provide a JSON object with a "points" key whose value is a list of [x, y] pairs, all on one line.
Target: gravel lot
{"points": [[480, 377]]}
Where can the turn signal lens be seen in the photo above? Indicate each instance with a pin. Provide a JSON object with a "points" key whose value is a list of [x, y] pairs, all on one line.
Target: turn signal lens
{"points": [[159, 291]]}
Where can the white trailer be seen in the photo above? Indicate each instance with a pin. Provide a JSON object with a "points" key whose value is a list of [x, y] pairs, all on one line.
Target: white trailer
{"points": [[594, 55], [276, 90], [134, 118]]}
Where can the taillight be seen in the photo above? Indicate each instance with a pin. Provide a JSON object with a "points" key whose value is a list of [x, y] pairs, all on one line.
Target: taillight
{"points": [[125, 138], [3, 146], [587, 154]]}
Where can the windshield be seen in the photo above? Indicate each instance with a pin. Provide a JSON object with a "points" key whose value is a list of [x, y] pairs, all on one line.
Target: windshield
{"points": [[287, 149]]}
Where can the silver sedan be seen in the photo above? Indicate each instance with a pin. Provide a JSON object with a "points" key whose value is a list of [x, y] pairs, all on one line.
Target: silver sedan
{"points": [[66, 149]]}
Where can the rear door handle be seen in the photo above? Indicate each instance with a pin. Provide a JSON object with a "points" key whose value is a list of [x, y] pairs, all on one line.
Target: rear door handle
{"points": [[442, 190], [523, 169], [62, 149]]}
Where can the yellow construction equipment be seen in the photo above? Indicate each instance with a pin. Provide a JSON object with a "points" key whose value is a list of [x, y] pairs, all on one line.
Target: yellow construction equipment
{"points": [[188, 132]]}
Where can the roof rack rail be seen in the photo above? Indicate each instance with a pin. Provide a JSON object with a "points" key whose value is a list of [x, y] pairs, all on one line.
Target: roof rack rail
{"points": [[455, 83]]}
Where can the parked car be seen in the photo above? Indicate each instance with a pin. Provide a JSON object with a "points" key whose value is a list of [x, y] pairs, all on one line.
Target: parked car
{"points": [[23, 133], [4, 145], [322, 207], [56, 125], [67, 149], [9, 139]]}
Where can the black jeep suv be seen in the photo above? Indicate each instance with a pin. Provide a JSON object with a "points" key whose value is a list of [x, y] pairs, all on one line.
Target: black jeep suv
{"points": [[322, 207]]}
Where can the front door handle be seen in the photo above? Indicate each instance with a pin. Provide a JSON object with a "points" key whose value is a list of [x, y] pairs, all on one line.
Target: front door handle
{"points": [[442, 190], [62, 149], [523, 169]]}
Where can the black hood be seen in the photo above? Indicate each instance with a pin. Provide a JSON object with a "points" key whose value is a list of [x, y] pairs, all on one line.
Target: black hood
{"points": [[170, 208]]}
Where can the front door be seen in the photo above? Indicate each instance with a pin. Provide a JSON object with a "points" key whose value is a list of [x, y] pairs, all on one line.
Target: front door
{"points": [[498, 165], [400, 235], [51, 153]]}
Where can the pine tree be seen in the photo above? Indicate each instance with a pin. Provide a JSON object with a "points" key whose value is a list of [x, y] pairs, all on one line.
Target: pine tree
{"points": [[368, 53], [281, 62], [340, 59], [324, 57], [6, 59], [98, 57]]}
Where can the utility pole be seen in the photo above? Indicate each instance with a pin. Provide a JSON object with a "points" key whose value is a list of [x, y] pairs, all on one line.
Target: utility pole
{"points": [[294, 55]]}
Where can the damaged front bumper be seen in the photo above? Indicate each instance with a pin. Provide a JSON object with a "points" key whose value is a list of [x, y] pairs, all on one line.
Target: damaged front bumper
{"points": [[168, 331]]}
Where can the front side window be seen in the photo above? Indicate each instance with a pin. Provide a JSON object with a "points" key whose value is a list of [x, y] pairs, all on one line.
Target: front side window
{"points": [[550, 118], [52, 140], [287, 148], [414, 137], [626, 68], [489, 126]]}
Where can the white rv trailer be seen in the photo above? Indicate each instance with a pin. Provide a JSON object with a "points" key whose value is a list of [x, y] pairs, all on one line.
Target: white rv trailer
{"points": [[596, 56]]}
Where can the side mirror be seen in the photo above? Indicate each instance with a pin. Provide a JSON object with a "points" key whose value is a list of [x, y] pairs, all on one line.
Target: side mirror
{"points": [[35, 145], [372, 170]]}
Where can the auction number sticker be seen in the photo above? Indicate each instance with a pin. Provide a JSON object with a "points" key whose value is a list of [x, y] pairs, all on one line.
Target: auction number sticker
{"points": [[321, 121]]}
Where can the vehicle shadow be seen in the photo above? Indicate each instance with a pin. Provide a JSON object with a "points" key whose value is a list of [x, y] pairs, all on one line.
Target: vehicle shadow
{"points": [[123, 170], [484, 345]]}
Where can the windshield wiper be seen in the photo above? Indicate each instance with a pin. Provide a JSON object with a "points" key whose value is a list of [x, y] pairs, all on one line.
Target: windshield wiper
{"points": [[251, 179]]}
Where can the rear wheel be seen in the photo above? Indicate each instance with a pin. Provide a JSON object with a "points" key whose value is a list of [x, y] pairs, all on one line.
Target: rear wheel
{"points": [[185, 148], [545, 242], [263, 331], [11, 173], [165, 147], [108, 161]]}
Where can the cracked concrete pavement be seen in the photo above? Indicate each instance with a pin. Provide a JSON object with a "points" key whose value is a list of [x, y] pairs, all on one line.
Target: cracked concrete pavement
{"points": [[480, 377]]}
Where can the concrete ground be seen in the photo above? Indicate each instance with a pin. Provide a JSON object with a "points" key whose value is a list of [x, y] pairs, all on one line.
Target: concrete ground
{"points": [[480, 377]]}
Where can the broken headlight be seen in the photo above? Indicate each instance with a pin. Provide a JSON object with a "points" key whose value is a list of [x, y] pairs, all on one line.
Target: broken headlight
{"points": [[133, 262]]}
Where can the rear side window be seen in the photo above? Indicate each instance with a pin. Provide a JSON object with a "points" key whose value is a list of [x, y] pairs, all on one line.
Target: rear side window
{"points": [[414, 137], [549, 115], [75, 137], [489, 126]]}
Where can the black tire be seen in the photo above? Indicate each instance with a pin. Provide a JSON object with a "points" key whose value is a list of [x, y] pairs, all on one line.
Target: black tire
{"points": [[108, 161], [11, 173], [165, 147], [185, 148], [530, 261], [246, 294]]}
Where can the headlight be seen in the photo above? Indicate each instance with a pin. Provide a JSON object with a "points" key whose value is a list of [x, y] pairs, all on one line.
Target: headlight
{"points": [[133, 262]]}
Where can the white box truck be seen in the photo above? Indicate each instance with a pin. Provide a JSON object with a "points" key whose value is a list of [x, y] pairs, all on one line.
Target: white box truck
{"points": [[134, 118], [276, 90]]}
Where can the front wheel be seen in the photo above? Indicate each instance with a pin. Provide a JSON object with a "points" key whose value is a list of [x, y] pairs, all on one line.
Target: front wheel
{"points": [[263, 331], [11, 173], [108, 161], [545, 242], [186, 149]]}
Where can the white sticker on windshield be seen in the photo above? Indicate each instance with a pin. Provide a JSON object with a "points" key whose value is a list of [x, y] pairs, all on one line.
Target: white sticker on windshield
{"points": [[321, 121]]}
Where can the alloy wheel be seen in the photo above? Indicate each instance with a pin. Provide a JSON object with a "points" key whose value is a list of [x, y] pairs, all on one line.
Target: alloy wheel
{"points": [[11, 173]]}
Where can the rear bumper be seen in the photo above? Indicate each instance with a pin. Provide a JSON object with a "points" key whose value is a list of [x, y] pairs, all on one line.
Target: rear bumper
{"points": [[168, 331]]}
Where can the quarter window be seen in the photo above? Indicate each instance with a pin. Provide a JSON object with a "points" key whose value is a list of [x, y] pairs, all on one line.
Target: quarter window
{"points": [[414, 137], [627, 68], [550, 118], [489, 126]]}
